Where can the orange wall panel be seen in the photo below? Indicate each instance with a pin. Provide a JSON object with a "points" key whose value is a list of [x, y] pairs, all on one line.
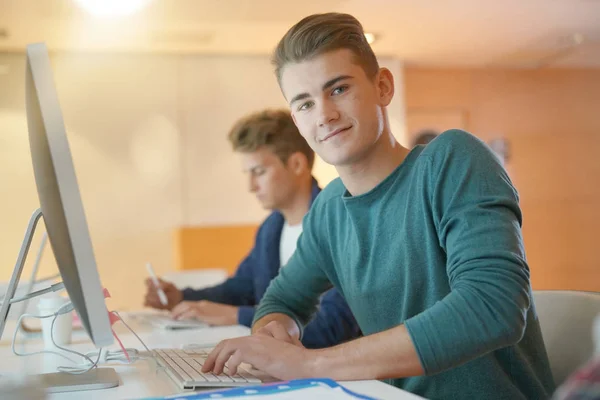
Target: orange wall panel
{"points": [[213, 246]]}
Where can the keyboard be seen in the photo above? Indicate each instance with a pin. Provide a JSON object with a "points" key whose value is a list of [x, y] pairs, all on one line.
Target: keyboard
{"points": [[185, 368], [164, 321]]}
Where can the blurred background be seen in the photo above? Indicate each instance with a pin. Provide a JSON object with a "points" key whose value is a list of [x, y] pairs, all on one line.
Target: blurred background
{"points": [[150, 88]]}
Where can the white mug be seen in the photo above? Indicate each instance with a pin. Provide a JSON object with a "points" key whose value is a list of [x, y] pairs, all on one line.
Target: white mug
{"points": [[63, 326]]}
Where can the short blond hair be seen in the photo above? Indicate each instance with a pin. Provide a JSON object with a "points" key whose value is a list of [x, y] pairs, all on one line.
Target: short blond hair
{"points": [[321, 33], [273, 129]]}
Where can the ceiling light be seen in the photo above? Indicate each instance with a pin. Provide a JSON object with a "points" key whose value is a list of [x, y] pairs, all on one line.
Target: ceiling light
{"points": [[370, 37], [111, 8]]}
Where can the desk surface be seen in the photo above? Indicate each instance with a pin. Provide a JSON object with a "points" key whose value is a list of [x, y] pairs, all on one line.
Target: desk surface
{"points": [[142, 379]]}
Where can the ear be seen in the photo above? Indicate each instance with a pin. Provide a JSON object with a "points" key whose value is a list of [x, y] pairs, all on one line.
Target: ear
{"points": [[297, 163], [385, 86]]}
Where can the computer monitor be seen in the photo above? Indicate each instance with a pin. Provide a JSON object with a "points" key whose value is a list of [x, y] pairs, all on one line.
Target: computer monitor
{"points": [[60, 200], [62, 210]]}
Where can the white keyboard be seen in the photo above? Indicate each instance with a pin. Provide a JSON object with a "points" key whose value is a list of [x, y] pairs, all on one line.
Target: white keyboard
{"points": [[166, 322], [185, 368]]}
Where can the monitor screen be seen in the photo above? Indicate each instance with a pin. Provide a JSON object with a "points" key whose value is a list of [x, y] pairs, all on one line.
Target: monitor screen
{"points": [[60, 200]]}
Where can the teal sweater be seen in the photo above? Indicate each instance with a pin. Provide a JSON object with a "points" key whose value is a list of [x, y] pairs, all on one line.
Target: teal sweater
{"points": [[436, 246]]}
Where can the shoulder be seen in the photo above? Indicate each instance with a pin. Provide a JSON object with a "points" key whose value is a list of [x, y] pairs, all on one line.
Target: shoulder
{"points": [[273, 223], [332, 192], [335, 189], [458, 156], [457, 143]]}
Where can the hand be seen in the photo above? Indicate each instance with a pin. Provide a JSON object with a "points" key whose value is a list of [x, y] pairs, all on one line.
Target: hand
{"points": [[174, 295], [277, 358], [206, 311]]}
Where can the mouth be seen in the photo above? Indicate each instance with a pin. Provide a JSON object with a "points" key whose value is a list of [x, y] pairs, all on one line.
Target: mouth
{"points": [[335, 133]]}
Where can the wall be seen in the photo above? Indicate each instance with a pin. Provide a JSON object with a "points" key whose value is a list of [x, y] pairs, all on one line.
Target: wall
{"points": [[147, 135], [550, 118], [121, 119], [148, 139]]}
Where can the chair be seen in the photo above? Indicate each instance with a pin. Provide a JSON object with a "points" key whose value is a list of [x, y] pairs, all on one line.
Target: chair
{"points": [[566, 319]]}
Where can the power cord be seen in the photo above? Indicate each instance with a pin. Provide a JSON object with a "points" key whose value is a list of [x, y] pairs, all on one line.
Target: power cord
{"points": [[64, 309], [119, 355], [101, 356]]}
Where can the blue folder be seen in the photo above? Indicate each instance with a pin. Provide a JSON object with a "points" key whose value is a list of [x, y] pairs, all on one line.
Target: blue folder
{"points": [[265, 389]]}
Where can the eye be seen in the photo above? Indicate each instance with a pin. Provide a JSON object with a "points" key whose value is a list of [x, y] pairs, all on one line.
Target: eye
{"points": [[339, 90], [258, 172], [305, 106]]}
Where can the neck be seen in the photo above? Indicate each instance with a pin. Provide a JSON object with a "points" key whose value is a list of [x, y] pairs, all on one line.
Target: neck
{"points": [[299, 204], [363, 175]]}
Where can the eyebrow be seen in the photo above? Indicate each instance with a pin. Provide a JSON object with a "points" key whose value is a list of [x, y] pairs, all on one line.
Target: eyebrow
{"points": [[326, 86]]}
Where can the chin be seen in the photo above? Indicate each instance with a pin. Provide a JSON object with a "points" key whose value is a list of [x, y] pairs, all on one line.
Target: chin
{"points": [[267, 206], [338, 160], [329, 157], [340, 155]]}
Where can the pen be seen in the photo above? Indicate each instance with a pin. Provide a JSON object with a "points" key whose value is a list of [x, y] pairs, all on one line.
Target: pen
{"points": [[161, 294]]}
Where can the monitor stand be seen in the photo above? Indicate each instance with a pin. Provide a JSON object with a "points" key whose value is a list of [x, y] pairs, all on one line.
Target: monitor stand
{"points": [[97, 378]]}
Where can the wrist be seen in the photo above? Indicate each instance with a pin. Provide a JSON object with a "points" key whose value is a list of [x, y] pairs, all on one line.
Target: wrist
{"points": [[316, 363], [233, 315]]}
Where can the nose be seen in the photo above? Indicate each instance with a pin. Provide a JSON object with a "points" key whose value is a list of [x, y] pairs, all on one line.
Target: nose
{"points": [[252, 184], [328, 113]]}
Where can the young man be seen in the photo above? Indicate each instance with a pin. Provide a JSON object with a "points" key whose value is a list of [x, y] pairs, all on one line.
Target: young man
{"points": [[425, 245], [279, 162]]}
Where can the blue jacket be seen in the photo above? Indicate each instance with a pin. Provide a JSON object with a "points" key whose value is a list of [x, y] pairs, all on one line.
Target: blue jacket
{"points": [[333, 323]]}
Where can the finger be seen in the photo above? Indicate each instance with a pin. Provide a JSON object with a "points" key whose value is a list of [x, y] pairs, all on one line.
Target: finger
{"points": [[184, 305], [223, 357], [164, 284], [151, 300], [234, 362], [209, 363], [179, 309], [189, 314], [176, 314], [147, 302]]}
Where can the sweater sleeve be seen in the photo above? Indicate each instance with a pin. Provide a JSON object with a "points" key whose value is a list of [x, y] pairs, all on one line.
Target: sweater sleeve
{"points": [[295, 292], [478, 221]]}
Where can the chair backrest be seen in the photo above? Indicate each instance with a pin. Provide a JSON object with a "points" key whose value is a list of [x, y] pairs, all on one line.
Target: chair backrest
{"points": [[566, 319]]}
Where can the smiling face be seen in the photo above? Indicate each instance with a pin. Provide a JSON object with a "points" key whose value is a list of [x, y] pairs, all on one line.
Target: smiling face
{"points": [[337, 108]]}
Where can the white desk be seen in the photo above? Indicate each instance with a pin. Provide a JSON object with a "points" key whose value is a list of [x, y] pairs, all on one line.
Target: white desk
{"points": [[143, 379]]}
